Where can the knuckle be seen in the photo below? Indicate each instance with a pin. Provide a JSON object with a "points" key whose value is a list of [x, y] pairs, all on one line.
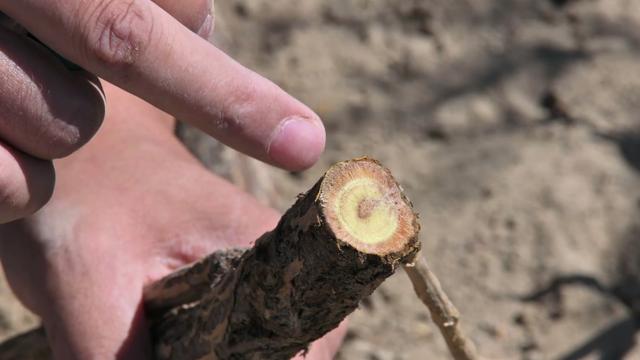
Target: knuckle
{"points": [[239, 102], [119, 31]]}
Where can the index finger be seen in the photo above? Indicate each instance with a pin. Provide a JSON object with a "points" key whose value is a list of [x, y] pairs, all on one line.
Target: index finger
{"points": [[141, 48]]}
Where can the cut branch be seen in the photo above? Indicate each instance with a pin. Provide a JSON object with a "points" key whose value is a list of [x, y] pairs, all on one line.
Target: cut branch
{"points": [[336, 244]]}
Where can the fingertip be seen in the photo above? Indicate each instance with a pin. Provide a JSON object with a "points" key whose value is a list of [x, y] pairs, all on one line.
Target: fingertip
{"points": [[206, 28], [81, 115], [297, 142], [196, 15], [26, 184]]}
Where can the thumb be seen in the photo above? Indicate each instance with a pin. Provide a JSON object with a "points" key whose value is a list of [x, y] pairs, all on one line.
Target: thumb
{"points": [[90, 302]]}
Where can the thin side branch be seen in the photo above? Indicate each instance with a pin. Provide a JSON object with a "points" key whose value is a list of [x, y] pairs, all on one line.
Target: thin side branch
{"points": [[443, 312]]}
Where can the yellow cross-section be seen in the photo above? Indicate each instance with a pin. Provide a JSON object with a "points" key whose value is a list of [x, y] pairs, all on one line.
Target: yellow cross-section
{"points": [[373, 224]]}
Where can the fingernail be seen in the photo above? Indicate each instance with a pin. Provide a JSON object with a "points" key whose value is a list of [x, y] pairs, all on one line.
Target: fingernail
{"points": [[297, 142], [206, 27]]}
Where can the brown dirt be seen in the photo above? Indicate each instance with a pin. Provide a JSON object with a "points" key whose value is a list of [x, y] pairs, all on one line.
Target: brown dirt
{"points": [[512, 126]]}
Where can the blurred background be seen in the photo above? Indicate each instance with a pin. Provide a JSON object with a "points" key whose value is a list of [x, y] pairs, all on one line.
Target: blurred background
{"points": [[514, 127]]}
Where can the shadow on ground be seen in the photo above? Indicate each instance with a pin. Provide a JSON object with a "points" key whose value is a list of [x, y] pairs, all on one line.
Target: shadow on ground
{"points": [[616, 341]]}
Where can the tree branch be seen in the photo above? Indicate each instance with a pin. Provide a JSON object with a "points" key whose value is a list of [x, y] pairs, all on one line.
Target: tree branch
{"points": [[331, 249]]}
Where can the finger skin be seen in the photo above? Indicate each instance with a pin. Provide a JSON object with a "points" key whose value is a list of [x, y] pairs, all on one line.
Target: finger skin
{"points": [[327, 347], [141, 48], [26, 183], [86, 291], [45, 110]]}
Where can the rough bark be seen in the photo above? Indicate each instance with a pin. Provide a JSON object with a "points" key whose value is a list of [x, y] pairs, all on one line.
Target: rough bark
{"points": [[31, 345], [335, 245]]}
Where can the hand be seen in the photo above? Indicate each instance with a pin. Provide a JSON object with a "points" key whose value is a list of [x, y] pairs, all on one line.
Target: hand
{"points": [[151, 49], [130, 207]]}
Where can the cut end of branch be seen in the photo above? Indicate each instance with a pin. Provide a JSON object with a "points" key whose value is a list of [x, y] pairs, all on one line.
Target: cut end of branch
{"points": [[365, 207]]}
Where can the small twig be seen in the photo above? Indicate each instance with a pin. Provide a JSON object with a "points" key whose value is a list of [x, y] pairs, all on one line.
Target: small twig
{"points": [[443, 312]]}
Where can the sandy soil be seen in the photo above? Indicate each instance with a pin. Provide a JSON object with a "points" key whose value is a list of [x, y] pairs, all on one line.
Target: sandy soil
{"points": [[513, 127]]}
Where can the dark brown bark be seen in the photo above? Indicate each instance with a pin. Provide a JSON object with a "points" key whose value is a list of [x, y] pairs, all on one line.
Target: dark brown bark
{"points": [[297, 283], [31, 345]]}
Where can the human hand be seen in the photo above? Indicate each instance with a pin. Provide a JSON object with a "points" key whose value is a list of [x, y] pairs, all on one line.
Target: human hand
{"points": [[151, 49], [130, 207]]}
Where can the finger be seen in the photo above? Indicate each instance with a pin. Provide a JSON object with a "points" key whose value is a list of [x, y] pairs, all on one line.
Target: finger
{"points": [[197, 15], [45, 109], [60, 269], [220, 216], [326, 347], [139, 47], [26, 183]]}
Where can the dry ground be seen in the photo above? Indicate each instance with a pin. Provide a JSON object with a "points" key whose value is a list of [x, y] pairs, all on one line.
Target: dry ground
{"points": [[513, 125]]}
